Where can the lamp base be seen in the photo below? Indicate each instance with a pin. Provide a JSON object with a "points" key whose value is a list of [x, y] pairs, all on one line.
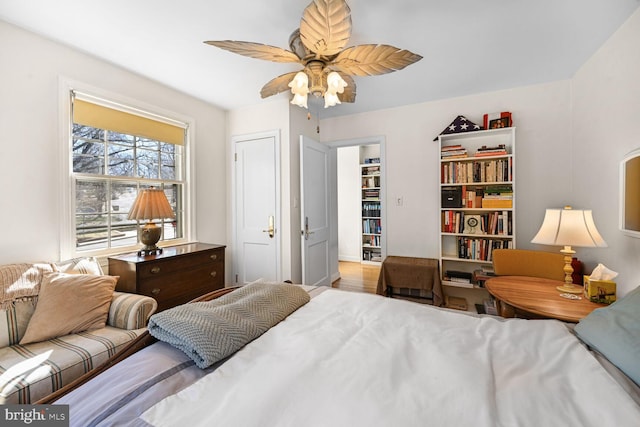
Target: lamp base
{"points": [[151, 251], [149, 234], [569, 289]]}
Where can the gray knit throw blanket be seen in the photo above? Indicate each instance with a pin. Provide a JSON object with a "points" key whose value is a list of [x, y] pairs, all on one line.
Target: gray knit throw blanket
{"points": [[212, 330]]}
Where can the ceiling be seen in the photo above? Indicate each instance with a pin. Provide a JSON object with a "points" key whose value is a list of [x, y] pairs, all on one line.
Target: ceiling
{"points": [[469, 46]]}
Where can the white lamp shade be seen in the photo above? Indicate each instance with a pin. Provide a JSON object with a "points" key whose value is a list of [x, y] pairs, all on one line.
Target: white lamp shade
{"points": [[569, 227]]}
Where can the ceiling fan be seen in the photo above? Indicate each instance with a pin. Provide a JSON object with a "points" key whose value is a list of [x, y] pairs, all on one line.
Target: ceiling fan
{"points": [[319, 46]]}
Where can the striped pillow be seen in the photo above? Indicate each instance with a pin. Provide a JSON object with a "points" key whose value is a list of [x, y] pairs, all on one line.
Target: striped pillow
{"points": [[81, 265], [14, 320]]}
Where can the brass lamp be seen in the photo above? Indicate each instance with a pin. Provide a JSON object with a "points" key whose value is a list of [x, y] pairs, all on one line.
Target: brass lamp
{"points": [[569, 227], [150, 204]]}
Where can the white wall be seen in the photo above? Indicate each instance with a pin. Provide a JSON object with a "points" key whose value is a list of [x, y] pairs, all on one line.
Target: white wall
{"points": [[30, 70], [606, 111], [349, 205]]}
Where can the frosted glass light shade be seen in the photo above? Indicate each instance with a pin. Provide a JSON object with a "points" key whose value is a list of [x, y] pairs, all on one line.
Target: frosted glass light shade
{"points": [[330, 99], [335, 83], [299, 88]]}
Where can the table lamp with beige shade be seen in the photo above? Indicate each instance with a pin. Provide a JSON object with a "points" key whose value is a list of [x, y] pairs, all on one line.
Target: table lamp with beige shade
{"points": [[150, 204], [569, 227]]}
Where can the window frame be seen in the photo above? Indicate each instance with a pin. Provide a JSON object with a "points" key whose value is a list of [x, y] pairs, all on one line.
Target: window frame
{"points": [[67, 184]]}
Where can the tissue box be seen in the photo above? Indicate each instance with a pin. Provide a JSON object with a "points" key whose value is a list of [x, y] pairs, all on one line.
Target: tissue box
{"points": [[603, 291]]}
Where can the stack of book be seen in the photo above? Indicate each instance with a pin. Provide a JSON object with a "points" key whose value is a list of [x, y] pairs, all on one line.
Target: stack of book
{"points": [[500, 150], [461, 278], [498, 197], [453, 152], [483, 274], [371, 170]]}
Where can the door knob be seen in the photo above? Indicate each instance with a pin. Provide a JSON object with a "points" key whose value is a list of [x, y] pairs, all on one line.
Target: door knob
{"points": [[271, 230], [306, 233]]}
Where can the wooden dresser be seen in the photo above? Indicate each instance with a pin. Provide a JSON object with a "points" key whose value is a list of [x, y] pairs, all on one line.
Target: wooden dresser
{"points": [[176, 276]]}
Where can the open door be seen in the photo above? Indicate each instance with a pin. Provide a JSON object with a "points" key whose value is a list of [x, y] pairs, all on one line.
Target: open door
{"points": [[315, 212]]}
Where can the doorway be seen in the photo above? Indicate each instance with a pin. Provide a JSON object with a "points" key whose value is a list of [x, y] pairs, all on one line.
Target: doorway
{"points": [[361, 212]]}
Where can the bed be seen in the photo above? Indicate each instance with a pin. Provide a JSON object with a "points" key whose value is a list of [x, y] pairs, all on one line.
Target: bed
{"points": [[352, 359]]}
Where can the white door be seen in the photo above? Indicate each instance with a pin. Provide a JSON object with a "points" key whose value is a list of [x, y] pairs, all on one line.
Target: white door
{"points": [[257, 217], [315, 212]]}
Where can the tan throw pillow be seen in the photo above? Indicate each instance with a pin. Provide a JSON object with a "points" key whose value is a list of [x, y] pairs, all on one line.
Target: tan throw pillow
{"points": [[70, 303]]}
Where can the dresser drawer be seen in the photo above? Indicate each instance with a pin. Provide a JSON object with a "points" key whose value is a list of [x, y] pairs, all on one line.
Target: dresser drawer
{"points": [[180, 287], [180, 264]]}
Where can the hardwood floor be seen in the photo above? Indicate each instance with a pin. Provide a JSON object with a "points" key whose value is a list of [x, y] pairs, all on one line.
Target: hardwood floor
{"points": [[357, 277]]}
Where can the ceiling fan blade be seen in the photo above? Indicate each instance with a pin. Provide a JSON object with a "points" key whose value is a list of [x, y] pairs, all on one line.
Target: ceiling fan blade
{"points": [[256, 50], [325, 27], [349, 94], [373, 60], [277, 85]]}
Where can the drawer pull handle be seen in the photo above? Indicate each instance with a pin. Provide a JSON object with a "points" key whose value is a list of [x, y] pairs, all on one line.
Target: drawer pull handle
{"points": [[155, 270], [155, 291], [214, 257], [214, 273]]}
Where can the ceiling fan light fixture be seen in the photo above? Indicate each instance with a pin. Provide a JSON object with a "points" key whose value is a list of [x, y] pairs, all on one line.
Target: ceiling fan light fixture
{"points": [[335, 83], [300, 88], [299, 100], [330, 99], [320, 45]]}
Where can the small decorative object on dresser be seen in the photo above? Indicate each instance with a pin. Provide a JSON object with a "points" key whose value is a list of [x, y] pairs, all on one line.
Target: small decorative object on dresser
{"points": [[178, 275]]}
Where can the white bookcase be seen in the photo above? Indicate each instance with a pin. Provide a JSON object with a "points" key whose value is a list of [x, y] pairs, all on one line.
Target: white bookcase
{"points": [[371, 210], [477, 203]]}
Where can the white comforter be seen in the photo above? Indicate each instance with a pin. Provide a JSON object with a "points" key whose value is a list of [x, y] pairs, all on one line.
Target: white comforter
{"points": [[348, 359]]}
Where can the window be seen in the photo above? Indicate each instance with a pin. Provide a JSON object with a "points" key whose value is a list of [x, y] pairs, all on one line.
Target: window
{"points": [[114, 154]]}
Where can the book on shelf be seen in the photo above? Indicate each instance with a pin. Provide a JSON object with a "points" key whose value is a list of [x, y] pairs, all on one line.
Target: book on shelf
{"points": [[480, 249], [451, 147], [498, 170], [480, 276], [459, 275], [453, 151], [497, 203], [491, 153], [455, 155], [499, 150], [498, 223], [371, 170], [497, 147]]}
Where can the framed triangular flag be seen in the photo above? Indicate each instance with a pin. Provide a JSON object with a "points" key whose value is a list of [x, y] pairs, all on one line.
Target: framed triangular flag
{"points": [[460, 124]]}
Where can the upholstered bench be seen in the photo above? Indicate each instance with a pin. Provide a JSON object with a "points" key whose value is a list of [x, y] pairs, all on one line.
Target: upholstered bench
{"points": [[58, 321]]}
